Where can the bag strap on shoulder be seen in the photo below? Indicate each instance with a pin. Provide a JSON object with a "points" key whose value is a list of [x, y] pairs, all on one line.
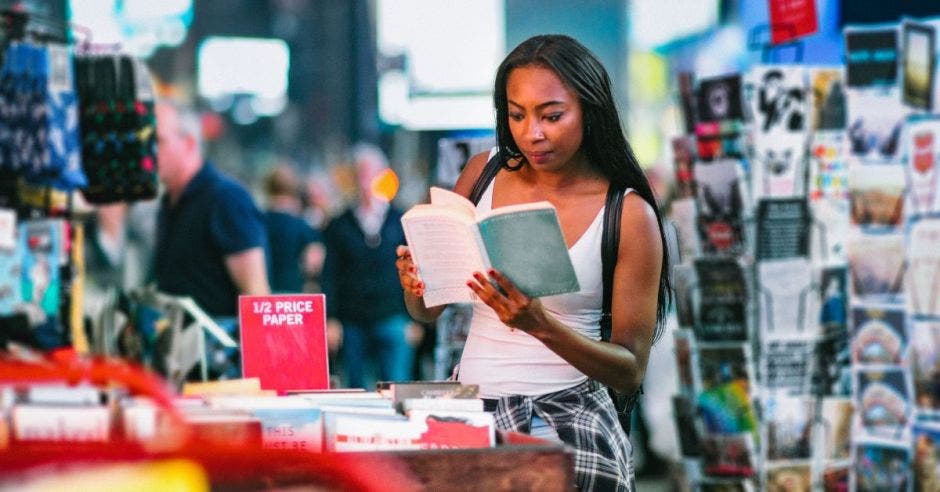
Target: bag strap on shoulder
{"points": [[610, 242], [489, 172]]}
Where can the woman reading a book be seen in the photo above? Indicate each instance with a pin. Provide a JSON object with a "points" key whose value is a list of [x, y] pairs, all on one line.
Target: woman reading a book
{"points": [[541, 360]]}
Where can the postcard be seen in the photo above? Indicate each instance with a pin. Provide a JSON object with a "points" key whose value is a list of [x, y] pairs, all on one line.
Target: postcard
{"points": [[925, 364], [875, 121], [789, 478], [871, 56], [719, 204], [828, 94], [789, 426], [876, 264], [789, 304], [728, 455], [879, 334], [722, 300], [883, 399], [923, 267], [917, 64], [726, 381], [876, 193], [837, 428], [882, 466], [920, 164]]}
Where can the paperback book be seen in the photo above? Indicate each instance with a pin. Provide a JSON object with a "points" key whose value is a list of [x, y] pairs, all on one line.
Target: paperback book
{"points": [[449, 241]]}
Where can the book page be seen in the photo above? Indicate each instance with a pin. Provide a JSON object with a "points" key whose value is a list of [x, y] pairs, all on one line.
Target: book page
{"points": [[445, 251], [440, 196]]}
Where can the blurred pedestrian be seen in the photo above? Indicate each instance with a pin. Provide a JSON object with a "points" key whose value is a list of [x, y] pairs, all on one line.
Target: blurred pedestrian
{"points": [[295, 250]]}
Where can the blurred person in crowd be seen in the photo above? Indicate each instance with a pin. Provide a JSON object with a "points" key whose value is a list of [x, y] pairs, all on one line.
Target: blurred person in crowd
{"points": [[295, 249], [539, 362], [319, 197], [361, 282], [211, 237]]}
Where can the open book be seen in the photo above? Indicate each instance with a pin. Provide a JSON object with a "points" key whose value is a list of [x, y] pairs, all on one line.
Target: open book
{"points": [[449, 241]]}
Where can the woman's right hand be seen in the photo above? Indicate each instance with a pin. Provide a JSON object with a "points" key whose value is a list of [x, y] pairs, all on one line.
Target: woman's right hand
{"points": [[408, 273]]}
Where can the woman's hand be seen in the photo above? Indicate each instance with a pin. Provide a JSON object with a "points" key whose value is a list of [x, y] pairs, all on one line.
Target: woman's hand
{"points": [[514, 308], [408, 273]]}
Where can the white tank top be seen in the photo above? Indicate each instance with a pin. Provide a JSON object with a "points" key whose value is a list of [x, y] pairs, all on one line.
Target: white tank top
{"points": [[511, 362]]}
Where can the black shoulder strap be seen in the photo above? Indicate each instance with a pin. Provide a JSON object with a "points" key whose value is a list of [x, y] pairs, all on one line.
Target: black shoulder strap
{"points": [[489, 172], [610, 242]]}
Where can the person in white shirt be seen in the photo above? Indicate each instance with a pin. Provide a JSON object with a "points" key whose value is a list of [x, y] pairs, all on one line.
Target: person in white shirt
{"points": [[541, 359]]}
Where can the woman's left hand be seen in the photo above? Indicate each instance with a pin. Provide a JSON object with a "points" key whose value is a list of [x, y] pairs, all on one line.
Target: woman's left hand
{"points": [[514, 308]]}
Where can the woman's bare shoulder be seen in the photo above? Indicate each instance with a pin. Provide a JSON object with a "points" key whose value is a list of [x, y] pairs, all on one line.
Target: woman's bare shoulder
{"points": [[638, 224], [471, 172]]}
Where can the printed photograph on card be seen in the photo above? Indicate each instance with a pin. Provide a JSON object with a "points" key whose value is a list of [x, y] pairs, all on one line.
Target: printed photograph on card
{"points": [[883, 400], [683, 410], [830, 230], [683, 215], [725, 400], [728, 455], [876, 264], [882, 467], [719, 203], [828, 92], [722, 300], [11, 257], [923, 267], [683, 277], [789, 478], [714, 485], [779, 171], [836, 478], [789, 304], [879, 334], [917, 64], [874, 124], [871, 56], [685, 350], [833, 296], [453, 153], [719, 98], [926, 456], [42, 248], [833, 373], [683, 158], [925, 365], [828, 170], [920, 164], [787, 365], [876, 194], [782, 228], [779, 107], [836, 426], [789, 422]]}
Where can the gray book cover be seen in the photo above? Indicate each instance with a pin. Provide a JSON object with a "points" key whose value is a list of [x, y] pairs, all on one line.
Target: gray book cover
{"points": [[529, 248]]}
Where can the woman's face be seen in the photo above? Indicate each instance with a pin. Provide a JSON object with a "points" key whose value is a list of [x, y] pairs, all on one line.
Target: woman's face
{"points": [[544, 117]]}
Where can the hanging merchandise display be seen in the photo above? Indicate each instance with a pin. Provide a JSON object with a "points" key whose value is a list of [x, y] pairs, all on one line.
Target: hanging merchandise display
{"points": [[118, 127], [38, 109], [63, 127]]}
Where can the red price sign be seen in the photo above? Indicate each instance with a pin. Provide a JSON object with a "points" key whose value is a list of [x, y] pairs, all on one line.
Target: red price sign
{"points": [[283, 341]]}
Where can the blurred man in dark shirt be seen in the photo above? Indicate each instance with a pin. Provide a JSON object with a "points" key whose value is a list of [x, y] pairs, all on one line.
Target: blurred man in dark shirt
{"points": [[211, 237], [295, 249]]}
